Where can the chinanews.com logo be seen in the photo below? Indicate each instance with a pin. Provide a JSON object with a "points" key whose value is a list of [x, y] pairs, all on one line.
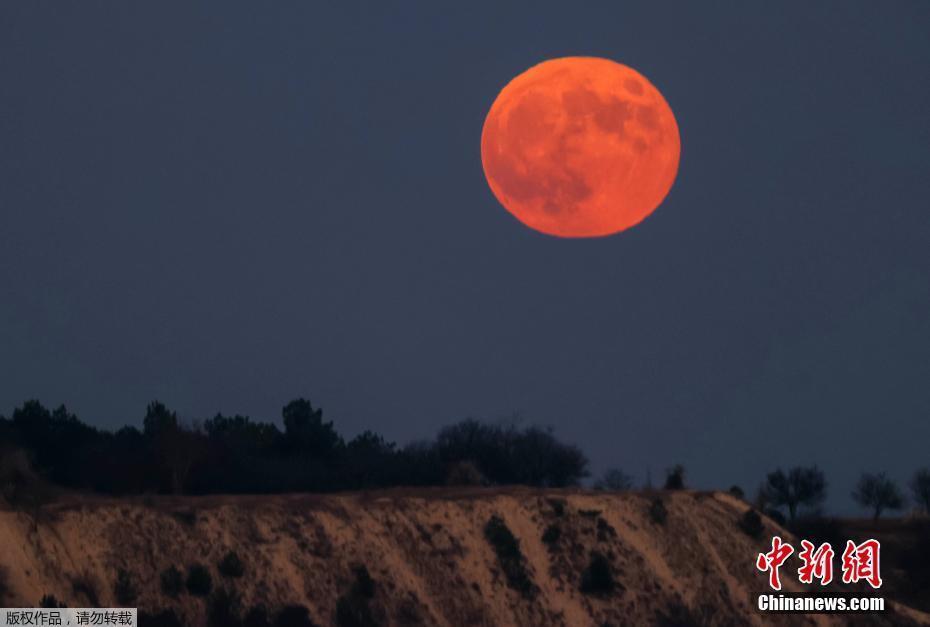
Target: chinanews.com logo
{"points": [[859, 562]]}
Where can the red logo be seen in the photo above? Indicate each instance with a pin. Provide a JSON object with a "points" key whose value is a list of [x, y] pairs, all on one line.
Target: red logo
{"points": [[773, 560], [860, 562]]}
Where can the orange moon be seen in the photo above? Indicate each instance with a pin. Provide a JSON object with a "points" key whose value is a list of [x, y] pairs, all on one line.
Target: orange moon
{"points": [[580, 147]]}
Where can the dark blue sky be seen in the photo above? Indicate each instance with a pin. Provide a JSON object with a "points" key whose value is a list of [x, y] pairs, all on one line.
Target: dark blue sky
{"points": [[226, 207]]}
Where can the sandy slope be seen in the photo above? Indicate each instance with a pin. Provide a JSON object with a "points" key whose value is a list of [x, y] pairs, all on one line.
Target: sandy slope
{"points": [[425, 550]]}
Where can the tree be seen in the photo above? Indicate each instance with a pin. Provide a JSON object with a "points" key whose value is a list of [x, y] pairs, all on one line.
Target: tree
{"points": [[878, 493], [158, 419], [175, 446], [799, 487], [614, 479], [920, 486], [305, 431], [675, 478], [21, 486]]}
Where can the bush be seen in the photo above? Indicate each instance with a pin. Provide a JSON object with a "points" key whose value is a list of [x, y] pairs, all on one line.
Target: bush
{"points": [[50, 602], [172, 582], [551, 535], [605, 531], [85, 585], [224, 610], [124, 588], [21, 486], [776, 516], [364, 585], [353, 611], [231, 566], [509, 557], [293, 616], [675, 478], [558, 506], [751, 524], [615, 480], [199, 582], [657, 512], [257, 616], [465, 473], [737, 491], [598, 577]]}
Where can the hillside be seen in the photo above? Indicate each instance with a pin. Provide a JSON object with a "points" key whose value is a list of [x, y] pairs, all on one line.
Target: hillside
{"points": [[427, 553]]}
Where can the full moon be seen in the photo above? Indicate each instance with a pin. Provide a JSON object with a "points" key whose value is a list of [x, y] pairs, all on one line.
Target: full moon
{"points": [[580, 147]]}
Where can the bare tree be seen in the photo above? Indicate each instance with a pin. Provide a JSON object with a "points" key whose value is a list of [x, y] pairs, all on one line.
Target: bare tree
{"points": [[920, 486], [21, 486], [614, 479], [878, 493], [799, 487]]}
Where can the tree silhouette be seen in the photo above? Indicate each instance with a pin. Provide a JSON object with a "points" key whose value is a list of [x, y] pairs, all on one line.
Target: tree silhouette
{"points": [[675, 478], [305, 431], [920, 486], [176, 447], [233, 454], [799, 487], [614, 479], [878, 493]]}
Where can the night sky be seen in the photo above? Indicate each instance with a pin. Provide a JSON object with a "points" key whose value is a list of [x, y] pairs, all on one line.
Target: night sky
{"points": [[228, 207]]}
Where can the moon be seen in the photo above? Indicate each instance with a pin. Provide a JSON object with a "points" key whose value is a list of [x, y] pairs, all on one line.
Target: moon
{"points": [[580, 147]]}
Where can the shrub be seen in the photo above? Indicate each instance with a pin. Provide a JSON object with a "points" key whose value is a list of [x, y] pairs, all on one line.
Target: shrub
{"points": [[751, 524], [678, 615], [199, 582], [293, 616], [657, 511], [614, 479], [257, 616], [605, 531], [598, 577], [124, 588], [465, 473], [224, 610], [364, 585], [186, 516], [231, 566], [85, 585], [558, 506], [172, 582], [49, 602], [737, 491], [551, 535], [675, 478], [776, 516], [509, 557], [21, 486], [353, 611]]}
